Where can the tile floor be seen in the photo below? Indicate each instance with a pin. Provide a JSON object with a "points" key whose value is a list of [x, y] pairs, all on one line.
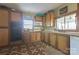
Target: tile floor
{"points": [[37, 48]]}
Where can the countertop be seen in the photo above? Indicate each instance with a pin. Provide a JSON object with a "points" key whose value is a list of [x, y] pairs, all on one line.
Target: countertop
{"points": [[65, 33]]}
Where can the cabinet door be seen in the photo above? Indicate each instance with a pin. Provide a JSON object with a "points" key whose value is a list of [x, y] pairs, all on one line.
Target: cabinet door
{"points": [[43, 20], [38, 19], [4, 37], [33, 36], [53, 39], [48, 20], [15, 16], [26, 37], [52, 18], [63, 42], [38, 36], [4, 16], [46, 37], [43, 36]]}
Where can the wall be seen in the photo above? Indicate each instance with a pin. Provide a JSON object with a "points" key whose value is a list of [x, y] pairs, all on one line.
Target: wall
{"points": [[71, 7]]}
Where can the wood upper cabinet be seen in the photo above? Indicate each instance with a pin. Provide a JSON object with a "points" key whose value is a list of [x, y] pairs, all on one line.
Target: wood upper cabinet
{"points": [[15, 16], [53, 40], [48, 20], [52, 18], [4, 37], [38, 18], [4, 17], [43, 20], [63, 43]]}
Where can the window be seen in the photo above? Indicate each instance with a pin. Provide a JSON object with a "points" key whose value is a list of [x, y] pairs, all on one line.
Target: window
{"points": [[67, 22], [70, 22], [60, 23], [28, 24], [37, 26]]}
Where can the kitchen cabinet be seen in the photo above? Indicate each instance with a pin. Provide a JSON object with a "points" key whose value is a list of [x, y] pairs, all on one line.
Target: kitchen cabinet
{"points": [[4, 16], [63, 43], [52, 18], [38, 18], [35, 36], [58, 41], [42, 36], [48, 20], [46, 37], [38, 36], [37, 23], [53, 39], [4, 37], [43, 21], [4, 27], [10, 25], [26, 37]]}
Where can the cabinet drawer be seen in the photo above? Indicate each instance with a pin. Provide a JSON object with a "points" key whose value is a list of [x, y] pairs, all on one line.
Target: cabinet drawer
{"points": [[4, 37], [4, 16]]}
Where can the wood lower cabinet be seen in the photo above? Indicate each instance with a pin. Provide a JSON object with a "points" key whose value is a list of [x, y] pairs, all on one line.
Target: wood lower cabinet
{"points": [[35, 36], [63, 43], [38, 36], [46, 37], [4, 37], [59, 41], [43, 37], [53, 40], [27, 37]]}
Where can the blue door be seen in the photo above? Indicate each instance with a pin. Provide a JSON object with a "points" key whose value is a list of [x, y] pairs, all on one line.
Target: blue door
{"points": [[15, 31]]}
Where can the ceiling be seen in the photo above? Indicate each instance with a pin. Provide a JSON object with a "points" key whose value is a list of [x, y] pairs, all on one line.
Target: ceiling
{"points": [[33, 7]]}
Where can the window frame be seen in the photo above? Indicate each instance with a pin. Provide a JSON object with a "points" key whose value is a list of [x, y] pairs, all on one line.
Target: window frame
{"points": [[65, 22], [28, 24]]}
